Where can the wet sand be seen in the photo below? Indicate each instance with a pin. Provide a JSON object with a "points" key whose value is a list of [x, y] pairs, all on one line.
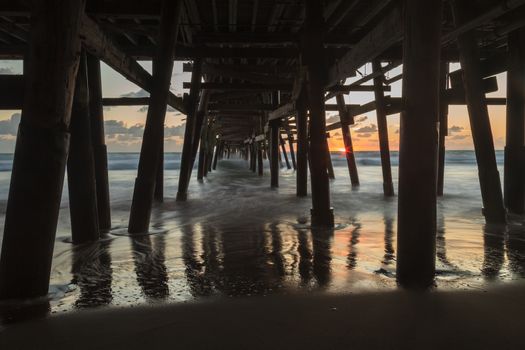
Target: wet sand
{"points": [[389, 320]]}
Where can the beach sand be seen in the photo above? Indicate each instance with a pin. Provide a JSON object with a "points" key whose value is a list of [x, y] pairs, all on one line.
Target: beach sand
{"points": [[388, 320]]}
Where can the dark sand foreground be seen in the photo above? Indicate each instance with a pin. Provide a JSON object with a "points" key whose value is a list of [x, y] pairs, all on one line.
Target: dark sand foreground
{"points": [[492, 319]]}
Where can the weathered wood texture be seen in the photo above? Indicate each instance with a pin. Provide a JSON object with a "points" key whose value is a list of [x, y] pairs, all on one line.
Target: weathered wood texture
{"points": [[313, 59], [416, 238], [153, 131], [81, 165], [489, 179], [382, 128], [515, 146], [100, 155], [41, 149]]}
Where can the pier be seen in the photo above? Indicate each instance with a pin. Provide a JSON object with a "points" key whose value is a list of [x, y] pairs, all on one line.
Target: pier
{"points": [[264, 73]]}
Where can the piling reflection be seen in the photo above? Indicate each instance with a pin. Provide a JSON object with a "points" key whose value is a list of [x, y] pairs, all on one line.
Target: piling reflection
{"points": [[92, 273], [305, 257], [322, 255], [494, 251], [149, 260], [352, 246], [516, 251]]}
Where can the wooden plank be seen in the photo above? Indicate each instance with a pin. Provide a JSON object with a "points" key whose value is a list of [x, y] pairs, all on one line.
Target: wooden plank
{"points": [[100, 45], [388, 32]]}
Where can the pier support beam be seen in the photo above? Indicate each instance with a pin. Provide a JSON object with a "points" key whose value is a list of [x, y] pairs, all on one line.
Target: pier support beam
{"points": [[443, 127], [274, 153], [100, 152], [382, 128], [283, 148], [81, 165], [159, 181], [313, 59], [153, 131], [41, 149], [218, 153], [515, 146], [260, 163], [347, 139], [186, 162], [302, 146], [489, 179], [416, 239]]}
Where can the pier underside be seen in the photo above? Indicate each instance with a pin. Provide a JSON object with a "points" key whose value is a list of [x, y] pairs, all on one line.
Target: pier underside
{"points": [[264, 74]]}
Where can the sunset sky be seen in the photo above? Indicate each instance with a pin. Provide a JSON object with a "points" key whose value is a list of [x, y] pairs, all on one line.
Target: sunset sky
{"points": [[125, 125]]}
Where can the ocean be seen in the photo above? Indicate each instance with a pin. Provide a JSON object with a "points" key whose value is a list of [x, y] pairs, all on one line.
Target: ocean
{"points": [[237, 237]]}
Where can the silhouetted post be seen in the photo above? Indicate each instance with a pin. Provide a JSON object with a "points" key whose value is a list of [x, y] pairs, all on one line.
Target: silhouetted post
{"points": [[202, 155], [290, 145], [81, 165], [514, 149], [218, 153], [41, 149], [416, 241], [159, 180], [191, 109], [274, 153], [253, 156], [201, 116], [260, 163], [489, 179], [153, 132], [382, 128], [283, 148], [313, 58], [302, 146], [100, 152], [443, 128], [329, 165], [347, 139]]}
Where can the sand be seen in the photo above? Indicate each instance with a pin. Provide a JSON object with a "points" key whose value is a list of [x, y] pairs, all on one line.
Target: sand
{"points": [[389, 320]]}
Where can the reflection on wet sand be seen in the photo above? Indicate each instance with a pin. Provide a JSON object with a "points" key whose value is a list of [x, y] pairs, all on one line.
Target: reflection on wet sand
{"points": [[516, 251], [494, 251], [352, 246], [276, 257], [149, 259], [92, 273]]}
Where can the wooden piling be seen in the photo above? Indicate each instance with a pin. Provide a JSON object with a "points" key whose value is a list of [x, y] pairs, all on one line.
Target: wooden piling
{"points": [[302, 146], [191, 118], [489, 179], [153, 131], [382, 128], [81, 165], [158, 195], [41, 149], [314, 60], [347, 139], [443, 127], [100, 152], [260, 163], [283, 149], [274, 153], [514, 184], [416, 241], [218, 153]]}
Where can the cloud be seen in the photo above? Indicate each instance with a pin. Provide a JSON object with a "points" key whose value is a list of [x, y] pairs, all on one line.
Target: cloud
{"points": [[367, 129], [10, 126], [366, 135], [455, 129], [143, 109], [140, 93], [337, 134], [332, 119], [172, 131], [6, 70], [459, 137]]}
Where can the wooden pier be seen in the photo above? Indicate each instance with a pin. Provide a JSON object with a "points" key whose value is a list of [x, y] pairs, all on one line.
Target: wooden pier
{"points": [[263, 75]]}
